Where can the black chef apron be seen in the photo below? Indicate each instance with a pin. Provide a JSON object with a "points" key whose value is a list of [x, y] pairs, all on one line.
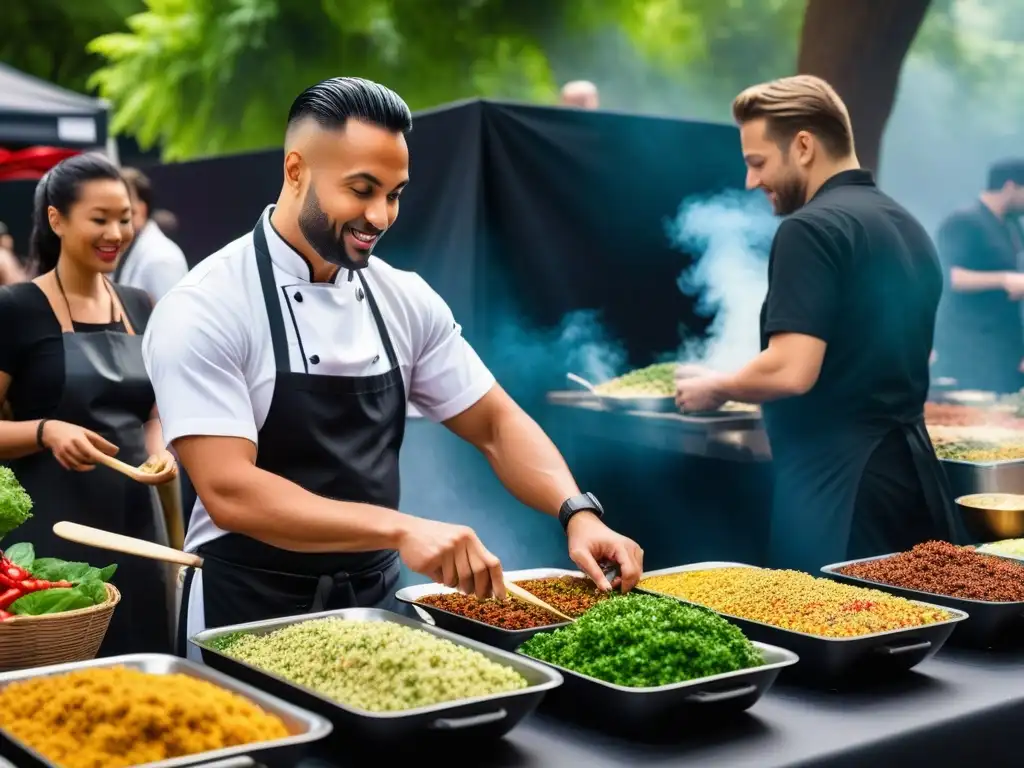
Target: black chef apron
{"points": [[336, 436], [106, 389], [824, 509]]}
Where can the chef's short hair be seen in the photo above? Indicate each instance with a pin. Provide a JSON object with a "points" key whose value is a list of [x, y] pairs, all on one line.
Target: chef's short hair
{"points": [[1011, 170], [333, 102], [799, 103]]}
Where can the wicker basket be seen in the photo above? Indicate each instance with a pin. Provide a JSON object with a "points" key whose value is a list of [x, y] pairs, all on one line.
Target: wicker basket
{"points": [[56, 638]]}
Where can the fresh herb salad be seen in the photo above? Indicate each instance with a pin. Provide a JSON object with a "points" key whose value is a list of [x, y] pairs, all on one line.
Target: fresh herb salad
{"points": [[643, 641]]}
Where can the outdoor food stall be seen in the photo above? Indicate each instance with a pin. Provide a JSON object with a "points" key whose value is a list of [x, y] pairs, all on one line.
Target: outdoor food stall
{"points": [[912, 655]]}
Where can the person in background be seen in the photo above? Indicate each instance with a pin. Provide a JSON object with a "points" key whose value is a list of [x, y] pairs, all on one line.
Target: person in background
{"points": [[846, 332], [581, 94], [166, 220], [980, 332], [73, 379], [153, 262], [11, 269]]}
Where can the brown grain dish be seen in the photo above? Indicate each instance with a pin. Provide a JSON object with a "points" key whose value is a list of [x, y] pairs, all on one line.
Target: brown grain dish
{"points": [[572, 595], [942, 568]]}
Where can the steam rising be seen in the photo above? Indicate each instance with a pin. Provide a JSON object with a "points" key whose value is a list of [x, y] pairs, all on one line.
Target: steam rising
{"points": [[729, 235]]}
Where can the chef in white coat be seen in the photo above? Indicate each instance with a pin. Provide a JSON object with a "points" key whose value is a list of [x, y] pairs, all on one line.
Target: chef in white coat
{"points": [[283, 365]]}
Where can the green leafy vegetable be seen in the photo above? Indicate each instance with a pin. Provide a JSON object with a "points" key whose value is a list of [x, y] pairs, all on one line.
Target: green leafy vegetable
{"points": [[641, 641], [52, 601], [53, 569], [15, 503], [22, 555]]}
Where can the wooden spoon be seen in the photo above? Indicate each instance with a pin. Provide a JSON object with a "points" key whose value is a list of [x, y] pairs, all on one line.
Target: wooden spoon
{"points": [[529, 597], [166, 474], [115, 542]]}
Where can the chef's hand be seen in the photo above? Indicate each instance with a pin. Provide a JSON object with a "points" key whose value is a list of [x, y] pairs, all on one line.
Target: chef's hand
{"points": [[1013, 284], [703, 393], [452, 555], [592, 542], [75, 447], [162, 464]]}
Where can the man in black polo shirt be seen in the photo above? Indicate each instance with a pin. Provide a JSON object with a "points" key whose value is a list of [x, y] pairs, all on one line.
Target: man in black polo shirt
{"points": [[846, 333], [980, 334]]}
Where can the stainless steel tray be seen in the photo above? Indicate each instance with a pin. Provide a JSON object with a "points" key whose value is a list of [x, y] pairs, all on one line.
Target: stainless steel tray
{"points": [[484, 716], [967, 477], [833, 659], [619, 708], [507, 639], [304, 727], [985, 622]]}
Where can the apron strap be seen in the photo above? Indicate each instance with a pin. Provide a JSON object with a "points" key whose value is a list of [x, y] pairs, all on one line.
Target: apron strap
{"points": [[181, 635], [382, 329], [266, 269]]}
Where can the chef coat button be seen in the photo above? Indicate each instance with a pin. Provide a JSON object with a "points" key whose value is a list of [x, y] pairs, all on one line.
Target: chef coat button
{"points": [[298, 297], [315, 359], [376, 358], [359, 294]]}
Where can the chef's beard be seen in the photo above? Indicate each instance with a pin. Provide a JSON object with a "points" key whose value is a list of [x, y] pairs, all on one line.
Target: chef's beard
{"points": [[319, 231], [790, 195]]}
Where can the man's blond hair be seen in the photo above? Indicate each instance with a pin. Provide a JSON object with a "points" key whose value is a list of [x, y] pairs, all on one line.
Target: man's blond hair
{"points": [[800, 103]]}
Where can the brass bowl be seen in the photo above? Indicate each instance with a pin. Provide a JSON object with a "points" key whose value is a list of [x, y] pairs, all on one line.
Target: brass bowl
{"points": [[986, 522]]}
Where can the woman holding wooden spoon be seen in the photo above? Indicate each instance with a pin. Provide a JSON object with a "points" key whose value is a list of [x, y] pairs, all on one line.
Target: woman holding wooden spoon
{"points": [[75, 387]]}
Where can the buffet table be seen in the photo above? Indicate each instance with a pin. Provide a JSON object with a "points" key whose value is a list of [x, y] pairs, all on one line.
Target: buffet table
{"points": [[961, 707]]}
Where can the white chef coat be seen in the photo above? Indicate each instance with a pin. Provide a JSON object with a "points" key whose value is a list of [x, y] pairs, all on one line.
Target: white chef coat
{"points": [[210, 358], [155, 263]]}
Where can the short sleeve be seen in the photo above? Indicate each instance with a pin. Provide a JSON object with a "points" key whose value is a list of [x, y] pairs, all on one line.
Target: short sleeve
{"points": [[803, 286], [447, 374], [195, 351], [10, 345], [958, 245]]}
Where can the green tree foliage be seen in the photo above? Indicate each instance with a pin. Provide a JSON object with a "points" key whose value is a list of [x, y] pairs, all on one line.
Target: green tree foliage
{"points": [[48, 38]]}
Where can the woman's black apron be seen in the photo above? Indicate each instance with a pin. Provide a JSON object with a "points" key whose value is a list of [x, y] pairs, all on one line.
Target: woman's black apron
{"points": [[106, 389], [336, 436], [825, 509]]}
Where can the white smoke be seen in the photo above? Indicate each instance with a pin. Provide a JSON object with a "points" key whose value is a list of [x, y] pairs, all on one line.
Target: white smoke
{"points": [[729, 235]]}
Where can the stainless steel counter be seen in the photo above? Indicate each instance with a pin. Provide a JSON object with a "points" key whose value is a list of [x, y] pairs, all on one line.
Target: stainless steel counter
{"points": [[736, 437]]}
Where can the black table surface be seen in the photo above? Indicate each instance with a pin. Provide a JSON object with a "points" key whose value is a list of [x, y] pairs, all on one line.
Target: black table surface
{"points": [[960, 707]]}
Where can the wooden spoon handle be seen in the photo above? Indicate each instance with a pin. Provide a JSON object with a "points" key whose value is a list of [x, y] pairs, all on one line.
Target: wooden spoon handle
{"points": [[529, 597], [115, 542], [117, 464]]}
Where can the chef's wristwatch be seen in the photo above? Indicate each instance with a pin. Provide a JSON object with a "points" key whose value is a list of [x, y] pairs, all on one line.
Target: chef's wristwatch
{"points": [[585, 502]]}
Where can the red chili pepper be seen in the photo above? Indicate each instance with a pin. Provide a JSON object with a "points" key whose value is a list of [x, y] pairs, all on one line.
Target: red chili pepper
{"points": [[9, 597], [4, 615], [16, 572], [6, 581], [37, 585]]}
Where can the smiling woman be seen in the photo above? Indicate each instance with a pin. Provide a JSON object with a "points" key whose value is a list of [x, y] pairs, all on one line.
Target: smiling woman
{"points": [[74, 385]]}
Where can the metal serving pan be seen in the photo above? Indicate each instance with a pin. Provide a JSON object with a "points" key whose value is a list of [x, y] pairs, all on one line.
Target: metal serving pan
{"points": [[506, 639], [839, 658], [985, 622], [304, 727], [968, 477], [622, 708], [483, 716]]}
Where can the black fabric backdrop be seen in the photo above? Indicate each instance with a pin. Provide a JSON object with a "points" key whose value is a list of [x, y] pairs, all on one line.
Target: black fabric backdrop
{"points": [[513, 210]]}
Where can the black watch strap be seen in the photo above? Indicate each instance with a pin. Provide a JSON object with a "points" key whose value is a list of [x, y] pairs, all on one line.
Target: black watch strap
{"points": [[585, 502]]}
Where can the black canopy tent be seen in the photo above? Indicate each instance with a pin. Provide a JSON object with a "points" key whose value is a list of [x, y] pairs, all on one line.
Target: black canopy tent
{"points": [[36, 113]]}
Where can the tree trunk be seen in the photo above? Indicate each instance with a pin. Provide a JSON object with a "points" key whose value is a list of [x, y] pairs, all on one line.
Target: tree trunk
{"points": [[858, 46]]}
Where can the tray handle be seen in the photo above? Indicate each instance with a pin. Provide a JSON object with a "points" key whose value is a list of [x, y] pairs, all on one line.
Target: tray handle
{"points": [[710, 697], [896, 650], [242, 761], [458, 723]]}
